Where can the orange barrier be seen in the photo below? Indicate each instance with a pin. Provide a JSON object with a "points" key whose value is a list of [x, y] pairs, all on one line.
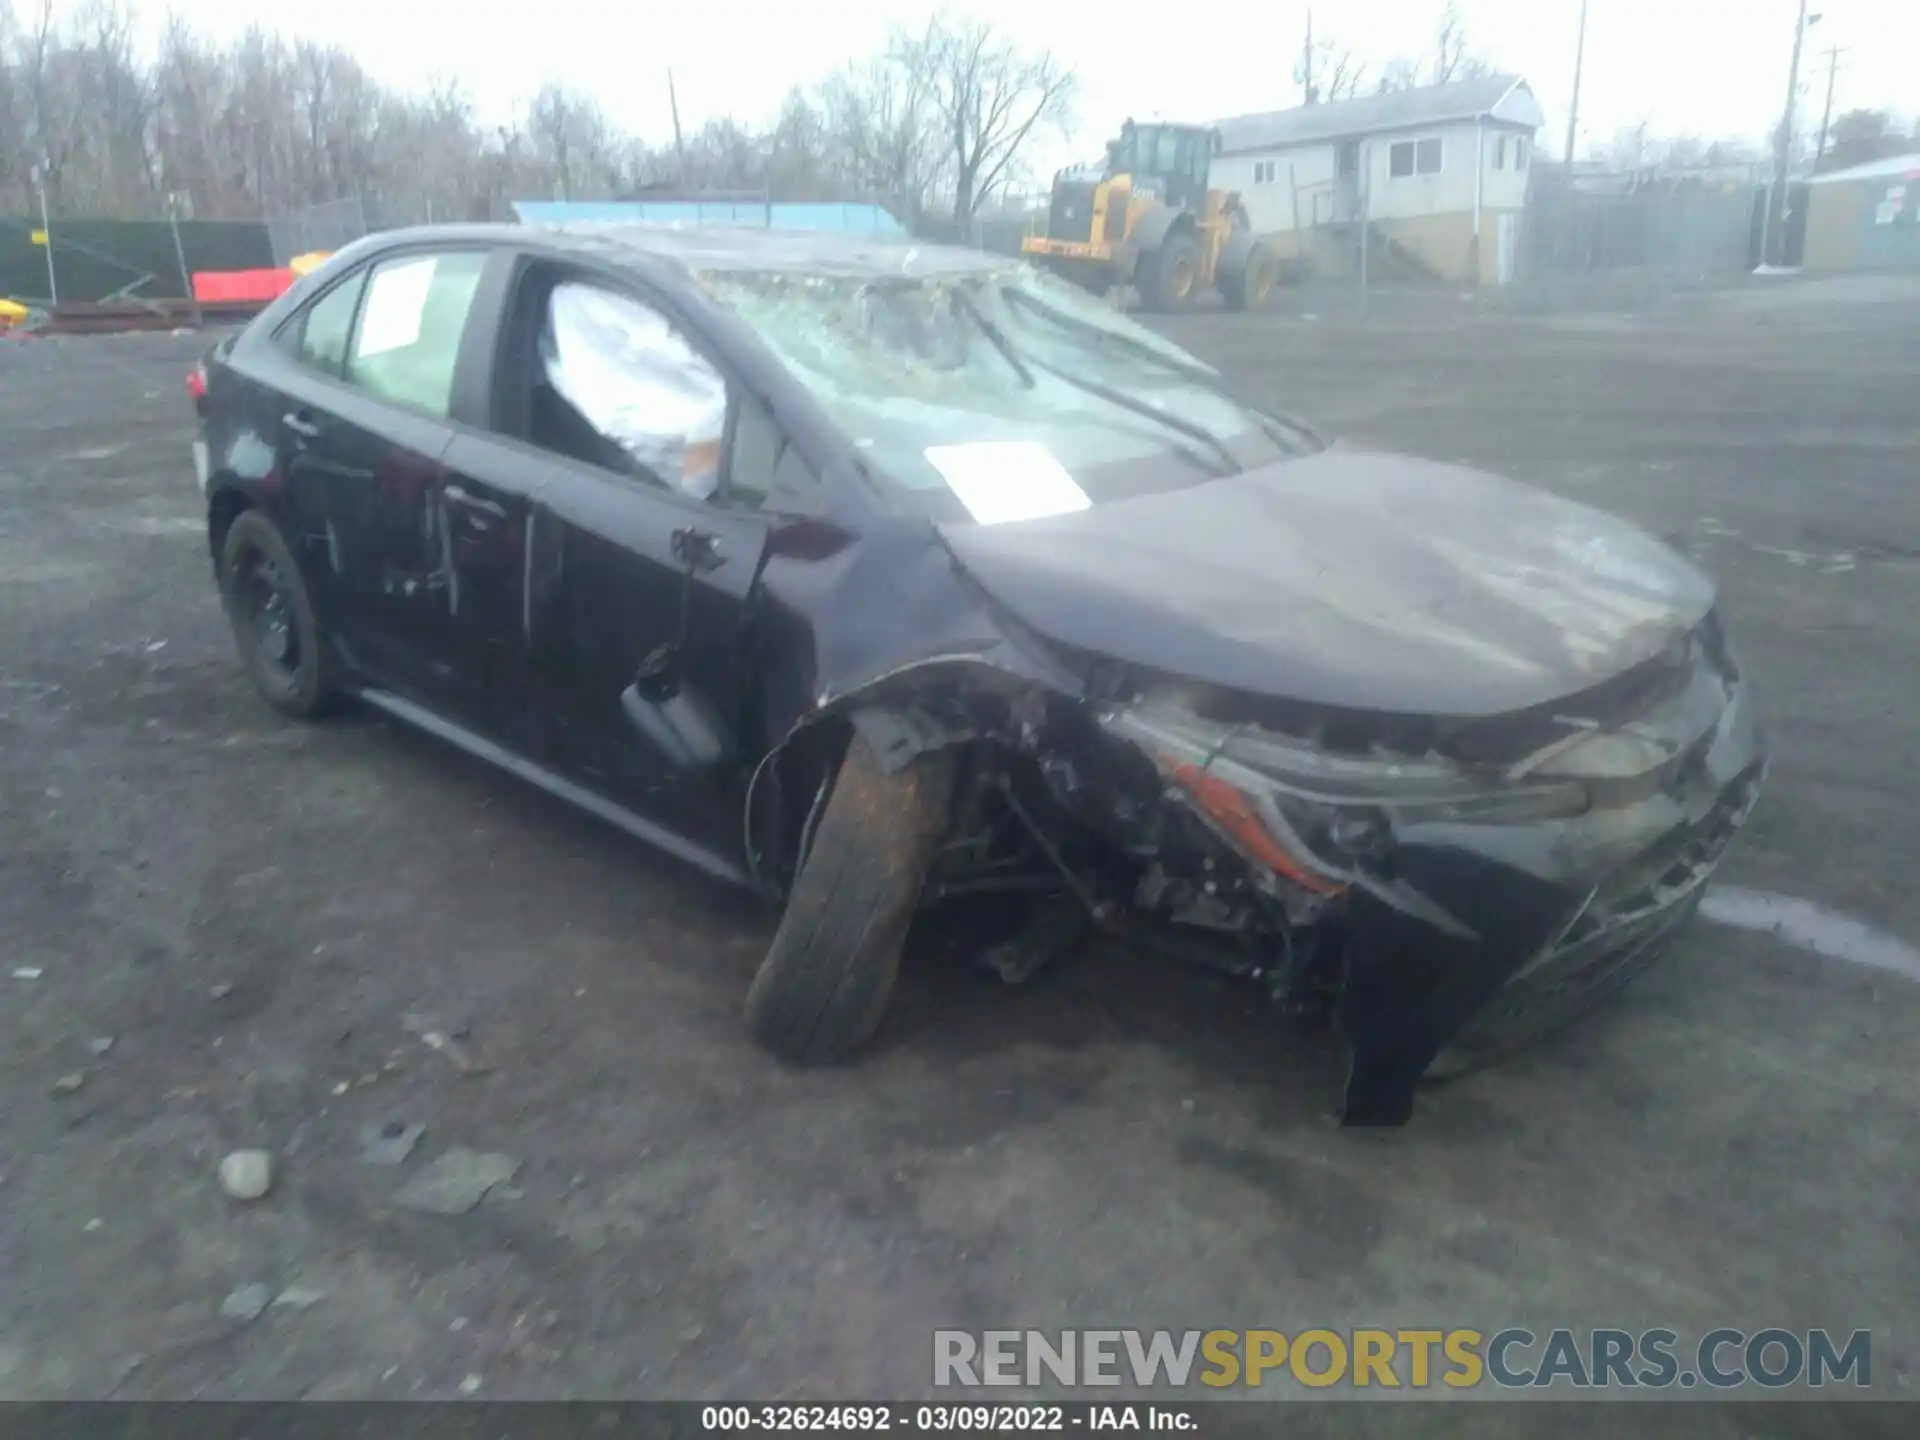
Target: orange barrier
{"points": [[217, 287]]}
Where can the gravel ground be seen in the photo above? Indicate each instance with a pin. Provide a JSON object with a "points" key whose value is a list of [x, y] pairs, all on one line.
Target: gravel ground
{"points": [[305, 940]]}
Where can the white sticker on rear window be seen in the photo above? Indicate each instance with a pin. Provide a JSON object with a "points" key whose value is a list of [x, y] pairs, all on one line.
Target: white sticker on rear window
{"points": [[1002, 480], [390, 317]]}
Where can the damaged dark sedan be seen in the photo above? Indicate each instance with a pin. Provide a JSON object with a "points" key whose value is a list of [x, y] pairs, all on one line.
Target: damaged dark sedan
{"points": [[880, 578]]}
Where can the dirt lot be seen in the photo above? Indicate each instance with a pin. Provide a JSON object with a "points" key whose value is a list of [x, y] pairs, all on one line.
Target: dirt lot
{"points": [[265, 920]]}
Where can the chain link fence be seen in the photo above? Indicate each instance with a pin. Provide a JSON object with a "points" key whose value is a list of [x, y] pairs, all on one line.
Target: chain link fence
{"points": [[133, 260], [333, 224], [1691, 231]]}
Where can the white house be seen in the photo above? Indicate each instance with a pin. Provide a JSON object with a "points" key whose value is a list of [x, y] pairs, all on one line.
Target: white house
{"points": [[1441, 171]]}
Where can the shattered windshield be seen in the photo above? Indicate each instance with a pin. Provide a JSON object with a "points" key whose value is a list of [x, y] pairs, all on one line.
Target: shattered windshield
{"points": [[1013, 392]]}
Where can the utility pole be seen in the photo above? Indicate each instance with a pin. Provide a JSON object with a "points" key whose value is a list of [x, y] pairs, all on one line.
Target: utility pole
{"points": [[1366, 224], [679, 144], [180, 257], [1573, 111], [1306, 63], [1834, 52], [46, 232], [1772, 233]]}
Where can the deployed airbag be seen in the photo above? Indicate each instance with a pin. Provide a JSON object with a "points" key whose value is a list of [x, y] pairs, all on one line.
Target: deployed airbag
{"points": [[637, 382]]}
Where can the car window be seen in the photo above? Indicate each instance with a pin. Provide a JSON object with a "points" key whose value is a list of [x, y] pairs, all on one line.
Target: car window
{"points": [[407, 342], [326, 325], [619, 387]]}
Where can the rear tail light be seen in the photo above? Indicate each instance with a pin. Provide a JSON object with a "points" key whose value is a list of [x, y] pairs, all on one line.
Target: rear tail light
{"points": [[197, 382]]}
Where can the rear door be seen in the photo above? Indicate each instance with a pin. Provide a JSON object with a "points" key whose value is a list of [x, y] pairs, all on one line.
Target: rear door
{"points": [[361, 388], [386, 441]]}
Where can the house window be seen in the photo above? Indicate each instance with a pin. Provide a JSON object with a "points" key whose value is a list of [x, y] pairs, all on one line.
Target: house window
{"points": [[1519, 152], [1500, 152], [1414, 157], [1265, 171]]}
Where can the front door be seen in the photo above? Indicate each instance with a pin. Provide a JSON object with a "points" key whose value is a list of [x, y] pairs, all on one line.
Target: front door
{"points": [[640, 629], [638, 576]]}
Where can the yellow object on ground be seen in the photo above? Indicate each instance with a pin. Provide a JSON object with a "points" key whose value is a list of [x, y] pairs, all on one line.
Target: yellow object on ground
{"points": [[312, 260], [12, 312]]}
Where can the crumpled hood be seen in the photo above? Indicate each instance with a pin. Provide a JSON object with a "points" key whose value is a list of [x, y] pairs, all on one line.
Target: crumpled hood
{"points": [[1362, 581]]}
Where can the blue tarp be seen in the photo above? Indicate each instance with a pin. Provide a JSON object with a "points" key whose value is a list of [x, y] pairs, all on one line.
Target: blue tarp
{"points": [[848, 219]]}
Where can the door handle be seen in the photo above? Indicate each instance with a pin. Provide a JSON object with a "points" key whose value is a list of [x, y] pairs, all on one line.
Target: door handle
{"points": [[467, 500], [299, 424]]}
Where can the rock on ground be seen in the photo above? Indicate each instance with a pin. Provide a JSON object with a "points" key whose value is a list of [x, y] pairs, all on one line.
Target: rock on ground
{"points": [[248, 1302], [457, 1181], [247, 1174]]}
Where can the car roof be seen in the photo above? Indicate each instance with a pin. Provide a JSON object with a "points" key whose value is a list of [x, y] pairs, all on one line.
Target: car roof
{"points": [[717, 249]]}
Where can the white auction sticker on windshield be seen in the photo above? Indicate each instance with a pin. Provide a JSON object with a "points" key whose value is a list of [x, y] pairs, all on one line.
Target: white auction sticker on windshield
{"points": [[1002, 480]]}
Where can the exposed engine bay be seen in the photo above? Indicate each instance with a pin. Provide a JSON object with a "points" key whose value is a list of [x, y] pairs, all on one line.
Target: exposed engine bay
{"points": [[1393, 874]]}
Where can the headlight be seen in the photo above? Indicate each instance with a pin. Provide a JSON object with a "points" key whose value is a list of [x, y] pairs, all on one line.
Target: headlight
{"points": [[1315, 816]]}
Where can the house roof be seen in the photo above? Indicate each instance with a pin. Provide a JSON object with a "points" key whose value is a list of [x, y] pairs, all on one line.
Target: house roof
{"points": [[1503, 97], [1892, 167]]}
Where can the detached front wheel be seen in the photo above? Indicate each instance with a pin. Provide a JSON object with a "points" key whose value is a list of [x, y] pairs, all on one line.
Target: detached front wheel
{"points": [[824, 986]]}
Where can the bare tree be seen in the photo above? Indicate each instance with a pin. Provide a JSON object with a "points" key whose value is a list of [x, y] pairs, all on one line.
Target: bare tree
{"points": [[990, 96], [1452, 58], [1397, 74], [883, 134], [264, 124], [112, 97], [1861, 136], [572, 142], [798, 162], [1337, 72]]}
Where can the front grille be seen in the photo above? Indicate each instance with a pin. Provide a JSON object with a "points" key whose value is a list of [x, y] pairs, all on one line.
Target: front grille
{"points": [[1641, 902], [1071, 217], [1581, 970], [1677, 863]]}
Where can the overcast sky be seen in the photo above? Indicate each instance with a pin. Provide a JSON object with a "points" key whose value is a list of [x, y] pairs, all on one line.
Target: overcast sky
{"points": [[1710, 67]]}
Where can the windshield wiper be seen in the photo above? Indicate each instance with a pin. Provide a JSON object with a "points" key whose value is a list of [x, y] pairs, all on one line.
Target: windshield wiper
{"points": [[997, 336], [1021, 367], [1229, 465], [1198, 375]]}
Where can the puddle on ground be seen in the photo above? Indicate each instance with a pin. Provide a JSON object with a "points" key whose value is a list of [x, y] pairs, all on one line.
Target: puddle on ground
{"points": [[1808, 926]]}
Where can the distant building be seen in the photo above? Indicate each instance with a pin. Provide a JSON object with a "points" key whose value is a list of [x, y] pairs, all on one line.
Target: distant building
{"points": [[1866, 217], [1442, 171]]}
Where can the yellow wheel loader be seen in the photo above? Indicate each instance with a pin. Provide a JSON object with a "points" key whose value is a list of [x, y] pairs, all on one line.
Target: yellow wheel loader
{"points": [[1151, 221]]}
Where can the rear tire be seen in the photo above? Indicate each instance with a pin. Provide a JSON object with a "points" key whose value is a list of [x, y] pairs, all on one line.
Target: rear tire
{"points": [[1530, 1009], [824, 986], [272, 616], [1171, 277]]}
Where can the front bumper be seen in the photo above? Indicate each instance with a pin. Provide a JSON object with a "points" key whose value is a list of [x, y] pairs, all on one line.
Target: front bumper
{"points": [[1571, 905]]}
